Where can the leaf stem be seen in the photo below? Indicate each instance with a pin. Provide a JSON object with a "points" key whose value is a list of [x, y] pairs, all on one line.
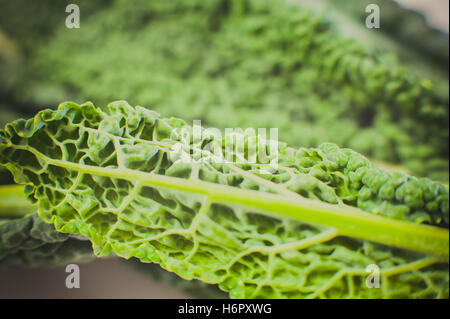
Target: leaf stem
{"points": [[348, 221], [13, 203]]}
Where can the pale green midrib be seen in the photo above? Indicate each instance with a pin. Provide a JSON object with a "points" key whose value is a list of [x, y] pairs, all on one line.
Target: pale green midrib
{"points": [[13, 203], [348, 221]]}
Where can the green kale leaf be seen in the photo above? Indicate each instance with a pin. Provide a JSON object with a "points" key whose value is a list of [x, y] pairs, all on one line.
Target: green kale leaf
{"points": [[309, 228]]}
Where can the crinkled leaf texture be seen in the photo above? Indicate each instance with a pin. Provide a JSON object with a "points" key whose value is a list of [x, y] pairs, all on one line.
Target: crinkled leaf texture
{"points": [[259, 63], [297, 232]]}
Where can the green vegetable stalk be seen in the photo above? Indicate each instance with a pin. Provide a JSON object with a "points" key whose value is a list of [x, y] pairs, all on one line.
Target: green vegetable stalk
{"points": [[13, 203], [309, 228]]}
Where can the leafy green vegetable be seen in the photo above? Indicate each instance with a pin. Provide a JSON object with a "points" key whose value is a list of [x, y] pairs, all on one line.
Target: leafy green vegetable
{"points": [[114, 177], [13, 204], [25, 26], [252, 63], [30, 242], [403, 30]]}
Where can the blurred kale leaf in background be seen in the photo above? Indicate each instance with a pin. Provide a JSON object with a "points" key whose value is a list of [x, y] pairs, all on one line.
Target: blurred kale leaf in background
{"points": [[31, 242], [239, 63], [405, 32]]}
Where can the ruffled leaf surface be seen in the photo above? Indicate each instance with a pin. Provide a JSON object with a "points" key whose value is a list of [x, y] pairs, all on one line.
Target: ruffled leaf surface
{"points": [[309, 228]]}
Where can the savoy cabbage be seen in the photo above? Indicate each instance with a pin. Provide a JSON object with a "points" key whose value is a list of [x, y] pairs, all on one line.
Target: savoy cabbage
{"points": [[308, 229]]}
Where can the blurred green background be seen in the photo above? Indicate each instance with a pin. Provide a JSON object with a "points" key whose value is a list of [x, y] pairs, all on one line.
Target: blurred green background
{"points": [[310, 68]]}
